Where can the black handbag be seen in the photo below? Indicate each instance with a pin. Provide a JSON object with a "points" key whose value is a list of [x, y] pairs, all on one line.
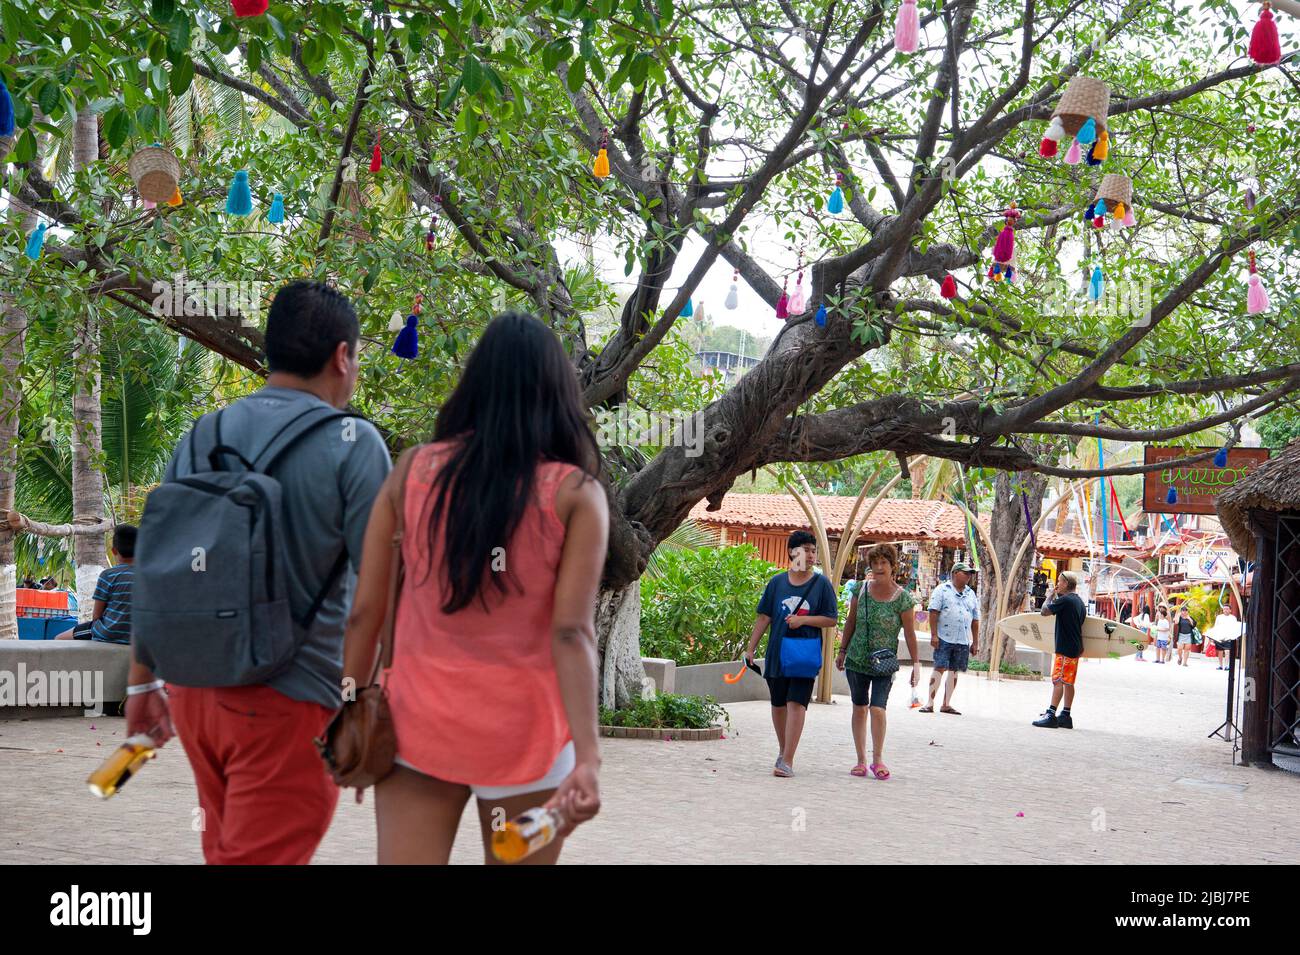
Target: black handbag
{"points": [[882, 662]]}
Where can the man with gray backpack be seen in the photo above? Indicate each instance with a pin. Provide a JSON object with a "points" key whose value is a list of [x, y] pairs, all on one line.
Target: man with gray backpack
{"points": [[245, 563]]}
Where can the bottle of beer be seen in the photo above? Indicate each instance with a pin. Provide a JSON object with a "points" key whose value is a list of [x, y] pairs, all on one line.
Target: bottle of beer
{"points": [[526, 834], [121, 765]]}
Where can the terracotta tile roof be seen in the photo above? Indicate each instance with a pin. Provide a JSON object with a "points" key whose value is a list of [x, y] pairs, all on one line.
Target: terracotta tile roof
{"points": [[893, 519]]}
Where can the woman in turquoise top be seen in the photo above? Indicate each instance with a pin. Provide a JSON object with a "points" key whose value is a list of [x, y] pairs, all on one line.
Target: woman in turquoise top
{"points": [[869, 654]]}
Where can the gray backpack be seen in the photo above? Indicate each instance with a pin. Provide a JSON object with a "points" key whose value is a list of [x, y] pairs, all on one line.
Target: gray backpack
{"points": [[210, 604]]}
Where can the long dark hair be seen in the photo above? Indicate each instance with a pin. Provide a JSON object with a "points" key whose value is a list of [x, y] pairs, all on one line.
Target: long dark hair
{"points": [[517, 405]]}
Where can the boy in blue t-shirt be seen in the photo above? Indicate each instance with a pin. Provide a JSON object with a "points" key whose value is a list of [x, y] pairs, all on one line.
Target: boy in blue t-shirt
{"points": [[802, 593], [111, 620]]}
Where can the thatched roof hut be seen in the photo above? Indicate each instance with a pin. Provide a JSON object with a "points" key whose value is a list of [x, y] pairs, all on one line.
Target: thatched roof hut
{"points": [[1272, 486]]}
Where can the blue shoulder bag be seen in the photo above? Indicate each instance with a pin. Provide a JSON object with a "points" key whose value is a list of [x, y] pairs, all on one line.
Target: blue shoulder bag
{"points": [[801, 656]]}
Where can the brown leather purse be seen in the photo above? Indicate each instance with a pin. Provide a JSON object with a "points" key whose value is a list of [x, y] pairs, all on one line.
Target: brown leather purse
{"points": [[359, 745]]}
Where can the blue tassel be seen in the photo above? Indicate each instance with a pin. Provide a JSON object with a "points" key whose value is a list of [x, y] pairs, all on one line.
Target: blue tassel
{"points": [[408, 339], [1100, 208], [6, 110], [36, 242], [1221, 458], [835, 204], [1091, 159], [239, 201], [1172, 496], [276, 215], [820, 317], [1087, 132], [1097, 284], [1087, 214], [687, 310]]}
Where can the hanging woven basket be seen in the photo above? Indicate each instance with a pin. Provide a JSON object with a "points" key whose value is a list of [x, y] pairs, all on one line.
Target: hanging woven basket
{"points": [[1115, 189], [156, 172], [1084, 97]]}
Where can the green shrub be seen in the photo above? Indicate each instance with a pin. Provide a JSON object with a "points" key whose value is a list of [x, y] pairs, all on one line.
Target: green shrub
{"points": [[1010, 669], [668, 711], [699, 608]]}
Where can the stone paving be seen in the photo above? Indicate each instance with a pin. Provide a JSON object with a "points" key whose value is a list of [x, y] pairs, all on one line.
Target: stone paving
{"points": [[1136, 782]]}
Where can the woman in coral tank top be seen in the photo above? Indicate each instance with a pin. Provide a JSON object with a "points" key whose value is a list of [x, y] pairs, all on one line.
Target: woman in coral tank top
{"points": [[493, 682]]}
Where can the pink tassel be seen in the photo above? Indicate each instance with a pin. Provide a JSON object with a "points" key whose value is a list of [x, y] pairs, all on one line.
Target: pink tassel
{"points": [[797, 302], [1005, 248], [1256, 297], [783, 306], [1129, 218], [1072, 156], [150, 204], [907, 28]]}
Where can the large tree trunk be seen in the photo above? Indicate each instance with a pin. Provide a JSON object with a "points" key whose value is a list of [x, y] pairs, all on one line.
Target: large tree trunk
{"points": [[13, 338], [87, 483], [618, 640], [1007, 530], [13, 333]]}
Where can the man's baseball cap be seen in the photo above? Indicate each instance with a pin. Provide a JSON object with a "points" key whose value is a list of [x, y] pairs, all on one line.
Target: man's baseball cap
{"points": [[962, 567]]}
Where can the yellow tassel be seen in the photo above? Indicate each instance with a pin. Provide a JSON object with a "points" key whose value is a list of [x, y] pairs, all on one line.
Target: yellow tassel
{"points": [[600, 168], [1119, 210], [1102, 149], [176, 199]]}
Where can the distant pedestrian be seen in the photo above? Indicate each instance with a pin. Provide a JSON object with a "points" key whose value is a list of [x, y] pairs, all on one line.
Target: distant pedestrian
{"points": [[1163, 628], [1186, 635], [954, 633], [110, 621], [793, 657]]}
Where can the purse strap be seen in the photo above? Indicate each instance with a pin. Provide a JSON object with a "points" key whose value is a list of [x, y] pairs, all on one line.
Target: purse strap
{"points": [[397, 567]]}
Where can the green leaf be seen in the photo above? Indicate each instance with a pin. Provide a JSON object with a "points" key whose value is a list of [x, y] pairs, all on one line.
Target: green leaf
{"points": [[449, 97], [178, 35], [686, 46], [117, 124], [255, 54], [163, 9], [181, 76], [48, 98], [577, 75], [22, 112], [79, 34], [472, 75], [25, 148]]}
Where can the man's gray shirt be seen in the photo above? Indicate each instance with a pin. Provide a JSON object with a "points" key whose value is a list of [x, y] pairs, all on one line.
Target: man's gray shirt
{"points": [[329, 481]]}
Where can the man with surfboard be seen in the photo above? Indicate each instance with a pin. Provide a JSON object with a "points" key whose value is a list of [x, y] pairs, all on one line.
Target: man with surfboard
{"points": [[1070, 613]]}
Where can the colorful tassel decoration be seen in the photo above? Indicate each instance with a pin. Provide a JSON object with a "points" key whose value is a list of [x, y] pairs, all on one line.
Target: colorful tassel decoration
{"points": [[1072, 155], [1129, 218], [1172, 496], [239, 201], [35, 242], [1055, 130], [6, 110], [835, 202], [1087, 133], [376, 156], [687, 310], [1221, 458], [783, 303], [1047, 148], [249, 8], [1004, 249], [176, 199], [396, 322], [907, 28], [1120, 210], [1265, 48], [949, 287], [1256, 295], [600, 168], [1097, 284], [1101, 148], [407, 344], [733, 298], [798, 302], [820, 317], [149, 204], [276, 215]]}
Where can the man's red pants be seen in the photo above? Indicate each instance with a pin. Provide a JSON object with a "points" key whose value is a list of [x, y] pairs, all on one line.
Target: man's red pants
{"points": [[263, 790]]}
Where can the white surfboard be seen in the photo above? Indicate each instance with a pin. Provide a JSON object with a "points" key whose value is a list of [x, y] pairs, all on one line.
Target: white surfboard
{"points": [[1102, 638]]}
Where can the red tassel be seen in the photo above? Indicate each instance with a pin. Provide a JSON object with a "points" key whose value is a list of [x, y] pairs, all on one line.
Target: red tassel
{"points": [[249, 8], [376, 158], [1265, 48], [1099, 222], [1047, 148], [949, 287]]}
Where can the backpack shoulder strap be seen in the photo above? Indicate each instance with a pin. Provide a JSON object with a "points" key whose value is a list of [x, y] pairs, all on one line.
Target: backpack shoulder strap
{"points": [[293, 431]]}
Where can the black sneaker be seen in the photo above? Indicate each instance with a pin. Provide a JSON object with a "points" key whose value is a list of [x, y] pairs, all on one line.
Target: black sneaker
{"points": [[1048, 720], [1065, 721]]}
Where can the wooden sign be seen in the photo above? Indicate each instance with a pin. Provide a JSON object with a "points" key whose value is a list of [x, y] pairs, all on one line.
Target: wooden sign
{"points": [[1198, 485]]}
